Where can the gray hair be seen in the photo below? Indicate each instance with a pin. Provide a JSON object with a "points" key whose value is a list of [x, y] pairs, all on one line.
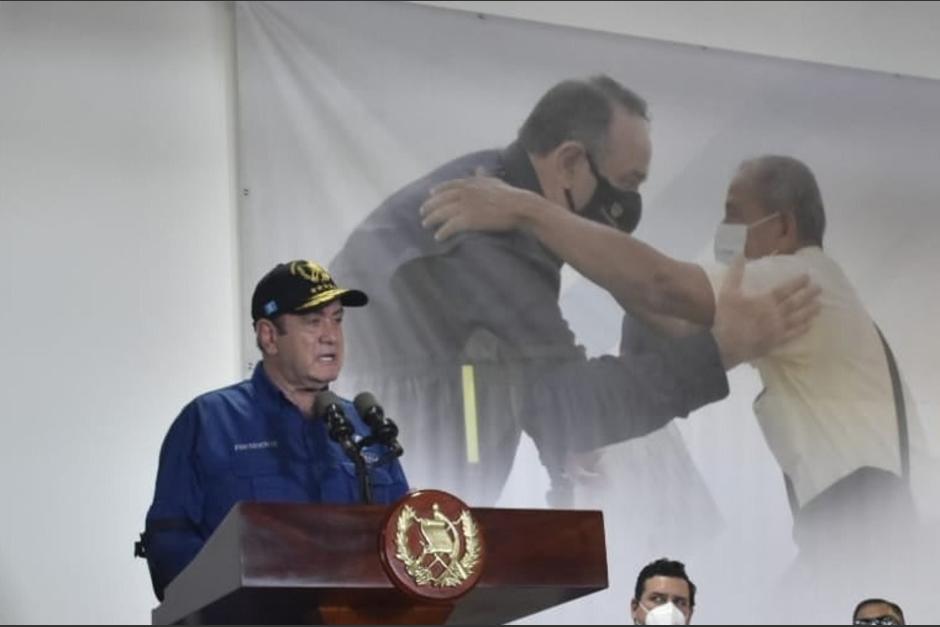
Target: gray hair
{"points": [[787, 185]]}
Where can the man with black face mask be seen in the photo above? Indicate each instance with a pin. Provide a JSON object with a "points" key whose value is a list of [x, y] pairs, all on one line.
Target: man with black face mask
{"points": [[465, 341]]}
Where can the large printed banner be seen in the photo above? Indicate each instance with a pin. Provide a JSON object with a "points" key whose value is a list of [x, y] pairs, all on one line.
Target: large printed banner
{"points": [[518, 382]]}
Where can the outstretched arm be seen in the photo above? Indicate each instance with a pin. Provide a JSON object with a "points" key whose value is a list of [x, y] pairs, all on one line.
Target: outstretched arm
{"points": [[644, 281]]}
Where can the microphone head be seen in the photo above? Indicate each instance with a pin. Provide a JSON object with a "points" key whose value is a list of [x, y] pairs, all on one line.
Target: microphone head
{"points": [[323, 402], [365, 403]]}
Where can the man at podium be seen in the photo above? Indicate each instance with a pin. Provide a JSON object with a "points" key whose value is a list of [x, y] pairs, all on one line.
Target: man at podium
{"points": [[259, 440]]}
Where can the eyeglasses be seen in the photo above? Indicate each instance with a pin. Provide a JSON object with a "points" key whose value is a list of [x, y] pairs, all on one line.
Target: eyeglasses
{"points": [[880, 620]]}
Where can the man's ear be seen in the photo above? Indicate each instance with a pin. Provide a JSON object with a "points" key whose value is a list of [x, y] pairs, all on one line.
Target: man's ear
{"points": [[790, 230], [788, 220], [265, 332], [569, 158]]}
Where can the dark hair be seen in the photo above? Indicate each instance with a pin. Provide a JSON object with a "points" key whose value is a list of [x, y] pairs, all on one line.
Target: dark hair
{"points": [[578, 110], [894, 607], [663, 568], [787, 185]]}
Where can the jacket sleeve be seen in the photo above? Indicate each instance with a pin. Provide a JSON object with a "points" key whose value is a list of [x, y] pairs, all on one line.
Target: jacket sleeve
{"points": [[172, 537], [582, 406]]}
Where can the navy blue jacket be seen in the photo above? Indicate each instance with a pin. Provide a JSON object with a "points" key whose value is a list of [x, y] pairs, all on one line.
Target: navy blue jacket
{"points": [[247, 442]]}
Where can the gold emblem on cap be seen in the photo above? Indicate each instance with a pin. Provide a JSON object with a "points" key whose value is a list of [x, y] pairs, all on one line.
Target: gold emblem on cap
{"points": [[313, 272], [450, 550]]}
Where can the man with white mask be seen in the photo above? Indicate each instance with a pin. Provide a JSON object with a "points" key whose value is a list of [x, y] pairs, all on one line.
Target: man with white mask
{"points": [[664, 595], [834, 411]]}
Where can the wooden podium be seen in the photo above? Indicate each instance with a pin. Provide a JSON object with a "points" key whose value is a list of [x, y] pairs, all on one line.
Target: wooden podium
{"points": [[316, 564]]}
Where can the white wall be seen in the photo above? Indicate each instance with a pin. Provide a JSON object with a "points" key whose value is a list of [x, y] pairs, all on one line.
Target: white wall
{"points": [[894, 37], [118, 271]]}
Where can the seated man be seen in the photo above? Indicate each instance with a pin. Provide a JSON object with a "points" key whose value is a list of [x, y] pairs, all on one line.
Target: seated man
{"points": [[878, 612], [664, 595], [257, 440]]}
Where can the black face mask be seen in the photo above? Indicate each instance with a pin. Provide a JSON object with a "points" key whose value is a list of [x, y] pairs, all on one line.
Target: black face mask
{"points": [[610, 205]]}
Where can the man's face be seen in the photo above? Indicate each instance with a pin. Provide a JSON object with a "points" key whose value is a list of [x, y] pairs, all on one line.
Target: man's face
{"points": [[309, 353], [625, 162], [877, 614], [743, 206], [661, 590]]}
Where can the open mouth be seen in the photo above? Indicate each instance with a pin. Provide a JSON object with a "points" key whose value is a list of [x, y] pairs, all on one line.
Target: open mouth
{"points": [[327, 359]]}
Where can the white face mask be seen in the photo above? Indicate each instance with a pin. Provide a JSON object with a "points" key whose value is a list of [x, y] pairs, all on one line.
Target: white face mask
{"points": [[666, 614], [731, 239]]}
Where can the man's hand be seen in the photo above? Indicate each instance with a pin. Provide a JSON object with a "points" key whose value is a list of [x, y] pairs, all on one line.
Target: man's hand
{"points": [[479, 203], [747, 328]]}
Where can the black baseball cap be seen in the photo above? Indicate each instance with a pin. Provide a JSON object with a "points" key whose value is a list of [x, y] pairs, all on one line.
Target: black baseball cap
{"points": [[299, 286]]}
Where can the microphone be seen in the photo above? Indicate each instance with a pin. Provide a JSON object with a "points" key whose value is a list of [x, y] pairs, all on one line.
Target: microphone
{"points": [[384, 430], [328, 407]]}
